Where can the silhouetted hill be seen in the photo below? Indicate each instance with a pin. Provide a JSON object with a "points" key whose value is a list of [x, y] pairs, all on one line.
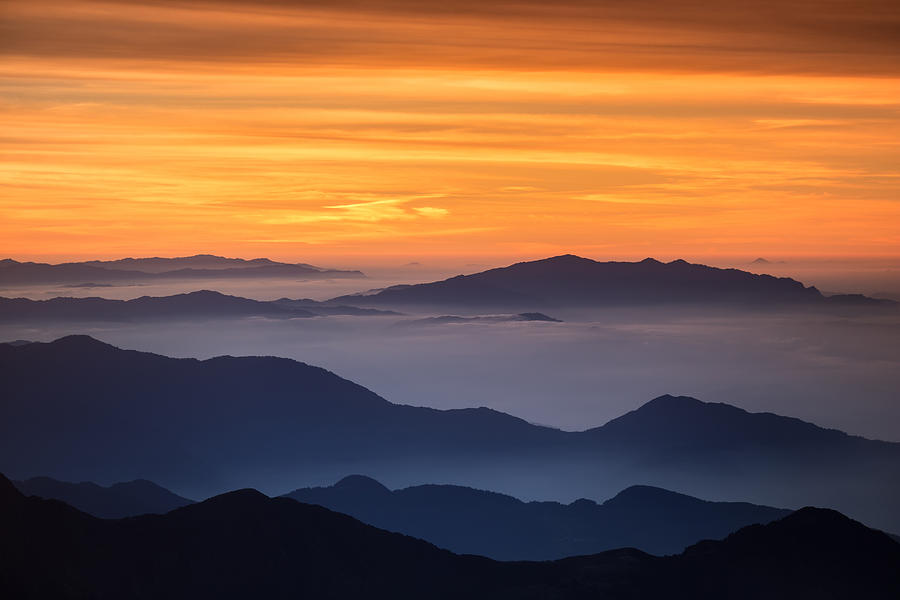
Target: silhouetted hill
{"points": [[704, 424], [471, 521], [119, 500], [245, 545], [204, 304], [79, 409], [202, 266], [572, 281], [805, 555]]}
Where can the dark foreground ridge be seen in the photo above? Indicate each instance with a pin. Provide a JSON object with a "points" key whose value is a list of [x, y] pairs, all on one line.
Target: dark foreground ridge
{"points": [[245, 545], [470, 521], [116, 415], [573, 281]]}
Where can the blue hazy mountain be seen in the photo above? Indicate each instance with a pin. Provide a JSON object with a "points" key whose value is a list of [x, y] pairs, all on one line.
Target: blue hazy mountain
{"points": [[201, 266], [572, 281], [204, 304], [245, 545], [465, 520], [470, 521], [78, 409], [125, 499]]}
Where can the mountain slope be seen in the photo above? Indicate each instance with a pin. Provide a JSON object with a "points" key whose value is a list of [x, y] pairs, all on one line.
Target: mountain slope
{"points": [[78, 409], [805, 555], [245, 545], [120, 500], [471, 521], [572, 281]]}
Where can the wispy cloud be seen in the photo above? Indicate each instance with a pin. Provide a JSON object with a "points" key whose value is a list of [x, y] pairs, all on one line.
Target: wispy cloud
{"points": [[505, 126]]}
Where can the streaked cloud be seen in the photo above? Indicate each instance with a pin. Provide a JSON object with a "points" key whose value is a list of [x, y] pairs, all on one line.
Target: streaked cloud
{"points": [[495, 128]]}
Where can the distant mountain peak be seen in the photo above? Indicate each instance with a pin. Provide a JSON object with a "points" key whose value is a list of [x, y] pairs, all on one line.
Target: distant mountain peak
{"points": [[561, 259], [199, 294], [361, 484], [80, 340], [568, 280], [238, 498], [132, 269], [672, 412], [643, 491], [123, 499], [639, 495], [668, 401]]}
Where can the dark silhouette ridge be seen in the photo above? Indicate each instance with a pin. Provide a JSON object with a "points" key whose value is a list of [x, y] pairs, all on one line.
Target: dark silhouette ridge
{"points": [[470, 521], [245, 545], [119, 500], [13, 272], [204, 304], [572, 281], [804, 546], [79, 409]]}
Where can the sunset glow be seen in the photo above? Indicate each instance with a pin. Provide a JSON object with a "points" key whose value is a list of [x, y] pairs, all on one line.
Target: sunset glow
{"points": [[365, 129]]}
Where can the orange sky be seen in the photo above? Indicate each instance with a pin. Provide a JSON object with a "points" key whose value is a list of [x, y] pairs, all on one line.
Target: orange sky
{"points": [[358, 129]]}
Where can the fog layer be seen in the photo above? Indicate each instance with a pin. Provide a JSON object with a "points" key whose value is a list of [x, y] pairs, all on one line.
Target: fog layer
{"points": [[840, 371]]}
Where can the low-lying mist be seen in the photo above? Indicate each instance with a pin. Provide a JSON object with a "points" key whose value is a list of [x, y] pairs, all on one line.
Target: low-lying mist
{"points": [[837, 371]]}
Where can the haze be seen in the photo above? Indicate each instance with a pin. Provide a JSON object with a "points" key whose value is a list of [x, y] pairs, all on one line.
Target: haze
{"points": [[832, 370]]}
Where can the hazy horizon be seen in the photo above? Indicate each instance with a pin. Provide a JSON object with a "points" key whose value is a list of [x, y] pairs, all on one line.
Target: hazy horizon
{"points": [[832, 370], [872, 276]]}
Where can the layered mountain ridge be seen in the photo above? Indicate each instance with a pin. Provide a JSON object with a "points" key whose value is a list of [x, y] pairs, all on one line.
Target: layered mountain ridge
{"points": [[244, 544], [470, 521], [575, 282], [273, 422], [124, 499], [201, 266], [199, 305]]}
